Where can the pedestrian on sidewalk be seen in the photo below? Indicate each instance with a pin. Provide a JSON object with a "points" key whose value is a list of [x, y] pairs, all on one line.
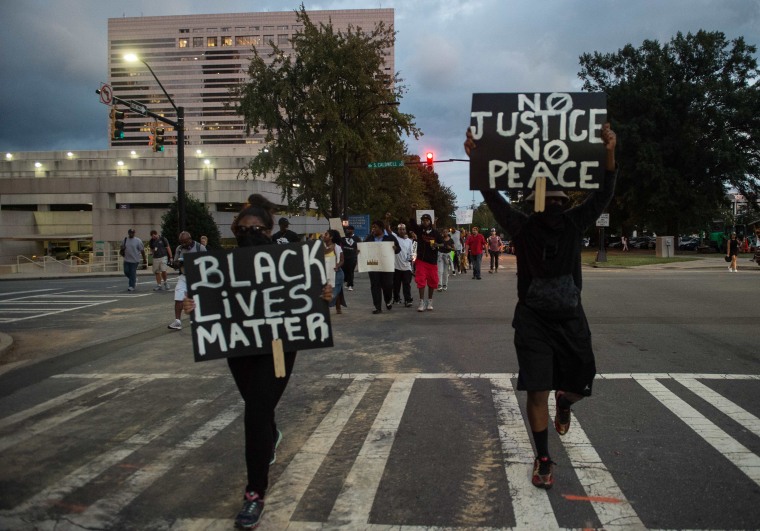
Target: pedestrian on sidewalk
{"points": [[186, 245], [732, 251], [162, 255], [134, 254], [255, 379], [332, 249], [552, 336], [494, 250], [475, 246]]}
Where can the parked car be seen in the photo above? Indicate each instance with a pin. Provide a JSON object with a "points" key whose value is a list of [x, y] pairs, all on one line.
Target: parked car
{"points": [[643, 242], [689, 244]]}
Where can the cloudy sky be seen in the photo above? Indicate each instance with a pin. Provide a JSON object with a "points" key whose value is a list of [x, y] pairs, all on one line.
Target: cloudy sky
{"points": [[54, 56]]}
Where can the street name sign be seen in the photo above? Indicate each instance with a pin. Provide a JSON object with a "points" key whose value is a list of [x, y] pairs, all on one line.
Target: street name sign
{"points": [[386, 164]]}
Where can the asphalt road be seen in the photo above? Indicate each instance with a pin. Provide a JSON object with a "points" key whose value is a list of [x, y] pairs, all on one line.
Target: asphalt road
{"points": [[409, 423]]}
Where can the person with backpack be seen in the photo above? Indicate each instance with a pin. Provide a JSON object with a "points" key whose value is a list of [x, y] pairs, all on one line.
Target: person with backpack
{"points": [[186, 245], [162, 254]]}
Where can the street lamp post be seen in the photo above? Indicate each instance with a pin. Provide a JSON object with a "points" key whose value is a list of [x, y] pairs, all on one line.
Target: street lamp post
{"points": [[179, 125]]}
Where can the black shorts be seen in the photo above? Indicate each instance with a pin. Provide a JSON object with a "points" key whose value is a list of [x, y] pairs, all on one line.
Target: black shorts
{"points": [[553, 354]]}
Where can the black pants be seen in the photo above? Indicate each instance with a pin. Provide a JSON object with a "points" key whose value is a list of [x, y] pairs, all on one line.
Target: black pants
{"points": [[402, 278], [494, 260], [261, 391], [381, 285], [349, 265]]}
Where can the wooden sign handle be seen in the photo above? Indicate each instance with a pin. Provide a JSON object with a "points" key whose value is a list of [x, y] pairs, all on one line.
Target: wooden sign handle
{"points": [[279, 359], [539, 204]]}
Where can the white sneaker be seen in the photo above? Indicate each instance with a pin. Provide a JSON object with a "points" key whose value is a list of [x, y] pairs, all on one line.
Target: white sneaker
{"points": [[166, 286], [350, 288], [421, 307], [729, 268], [430, 305], [157, 288], [176, 325], [130, 289]]}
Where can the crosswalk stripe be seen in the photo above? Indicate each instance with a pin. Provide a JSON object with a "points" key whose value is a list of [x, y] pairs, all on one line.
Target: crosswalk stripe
{"points": [[730, 448], [295, 479], [55, 402], [737, 414], [354, 503], [103, 512], [86, 473], [596, 479], [531, 506]]}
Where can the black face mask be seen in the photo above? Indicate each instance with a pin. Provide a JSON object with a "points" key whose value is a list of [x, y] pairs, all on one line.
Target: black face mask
{"points": [[249, 239], [555, 208]]}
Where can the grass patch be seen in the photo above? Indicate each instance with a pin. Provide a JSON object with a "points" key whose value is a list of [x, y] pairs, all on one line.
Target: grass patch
{"points": [[631, 259]]}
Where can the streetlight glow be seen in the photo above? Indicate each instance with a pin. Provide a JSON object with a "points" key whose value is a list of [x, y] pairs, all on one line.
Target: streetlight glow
{"points": [[131, 57]]}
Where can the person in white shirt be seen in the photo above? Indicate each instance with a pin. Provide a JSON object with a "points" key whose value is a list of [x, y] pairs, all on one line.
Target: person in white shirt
{"points": [[402, 274]]}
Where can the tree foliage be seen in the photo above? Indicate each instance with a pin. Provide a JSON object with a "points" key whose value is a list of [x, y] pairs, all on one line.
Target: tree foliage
{"points": [[326, 108], [198, 222], [687, 115]]}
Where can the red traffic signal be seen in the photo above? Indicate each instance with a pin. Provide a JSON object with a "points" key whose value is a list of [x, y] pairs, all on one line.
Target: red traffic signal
{"points": [[429, 159]]}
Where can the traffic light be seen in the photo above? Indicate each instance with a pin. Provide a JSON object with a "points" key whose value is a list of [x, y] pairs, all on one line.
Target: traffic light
{"points": [[117, 124], [429, 159], [158, 144]]}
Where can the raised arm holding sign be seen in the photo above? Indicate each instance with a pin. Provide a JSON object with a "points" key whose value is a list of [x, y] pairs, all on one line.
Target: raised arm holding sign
{"points": [[552, 336]]}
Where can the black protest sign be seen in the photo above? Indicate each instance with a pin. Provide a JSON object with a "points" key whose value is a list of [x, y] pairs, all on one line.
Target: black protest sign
{"points": [[247, 297], [523, 136]]}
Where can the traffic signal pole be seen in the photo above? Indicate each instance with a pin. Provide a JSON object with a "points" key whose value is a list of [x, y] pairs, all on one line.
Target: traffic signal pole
{"points": [[179, 126]]}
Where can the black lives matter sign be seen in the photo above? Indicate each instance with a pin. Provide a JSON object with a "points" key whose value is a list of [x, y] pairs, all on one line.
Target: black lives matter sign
{"points": [[523, 136], [247, 297]]}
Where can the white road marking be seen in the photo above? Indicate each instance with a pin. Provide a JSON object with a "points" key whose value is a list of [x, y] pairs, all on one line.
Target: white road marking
{"points": [[360, 487], [292, 484], [736, 413], [102, 513], [595, 478], [531, 505], [730, 448], [86, 473]]}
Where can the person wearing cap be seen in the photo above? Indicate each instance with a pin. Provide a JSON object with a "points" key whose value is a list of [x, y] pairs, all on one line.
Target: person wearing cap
{"points": [[429, 241], [552, 336], [350, 246], [285, 235], [494, 250], [134, 254], [381, 282]]}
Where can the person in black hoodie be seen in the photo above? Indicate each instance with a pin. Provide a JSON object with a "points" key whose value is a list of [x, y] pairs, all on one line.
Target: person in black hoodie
{"points": [[552, 336]]}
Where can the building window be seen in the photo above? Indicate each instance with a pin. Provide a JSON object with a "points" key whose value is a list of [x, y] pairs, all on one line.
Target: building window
{"points": [[283, 39], [268, 39], [184, 43], [227, 41], [184, 30], [197, 42], [248, 40], [211, 42], [282, 27]]}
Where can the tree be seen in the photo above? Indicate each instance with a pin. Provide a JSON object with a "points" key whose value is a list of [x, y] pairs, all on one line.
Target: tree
{"points": [[687, 115], [199, 223], [325, 108]]}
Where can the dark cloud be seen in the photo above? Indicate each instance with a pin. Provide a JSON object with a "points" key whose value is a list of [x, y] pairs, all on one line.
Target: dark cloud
{"points": [[55, 56]]}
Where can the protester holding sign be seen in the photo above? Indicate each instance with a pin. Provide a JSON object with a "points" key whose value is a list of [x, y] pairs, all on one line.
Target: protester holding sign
{"points": [[255, 375], [552, 336], [381, 282]]}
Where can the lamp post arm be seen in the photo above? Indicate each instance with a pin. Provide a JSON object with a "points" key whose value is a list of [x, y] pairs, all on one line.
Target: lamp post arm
{"points": [[160, 85]]}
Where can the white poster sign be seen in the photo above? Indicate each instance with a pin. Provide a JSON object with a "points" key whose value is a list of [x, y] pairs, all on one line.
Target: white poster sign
{"points": [[464, 216], [431, 213], [376, 257]]}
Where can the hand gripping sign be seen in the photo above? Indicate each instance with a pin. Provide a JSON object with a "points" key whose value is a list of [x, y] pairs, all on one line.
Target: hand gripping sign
{"points": [[258, 300], [537, 141]]}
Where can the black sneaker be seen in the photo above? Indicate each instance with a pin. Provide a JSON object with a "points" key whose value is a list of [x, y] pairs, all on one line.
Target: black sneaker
{"points": [[542, 473], [249, 516]]}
